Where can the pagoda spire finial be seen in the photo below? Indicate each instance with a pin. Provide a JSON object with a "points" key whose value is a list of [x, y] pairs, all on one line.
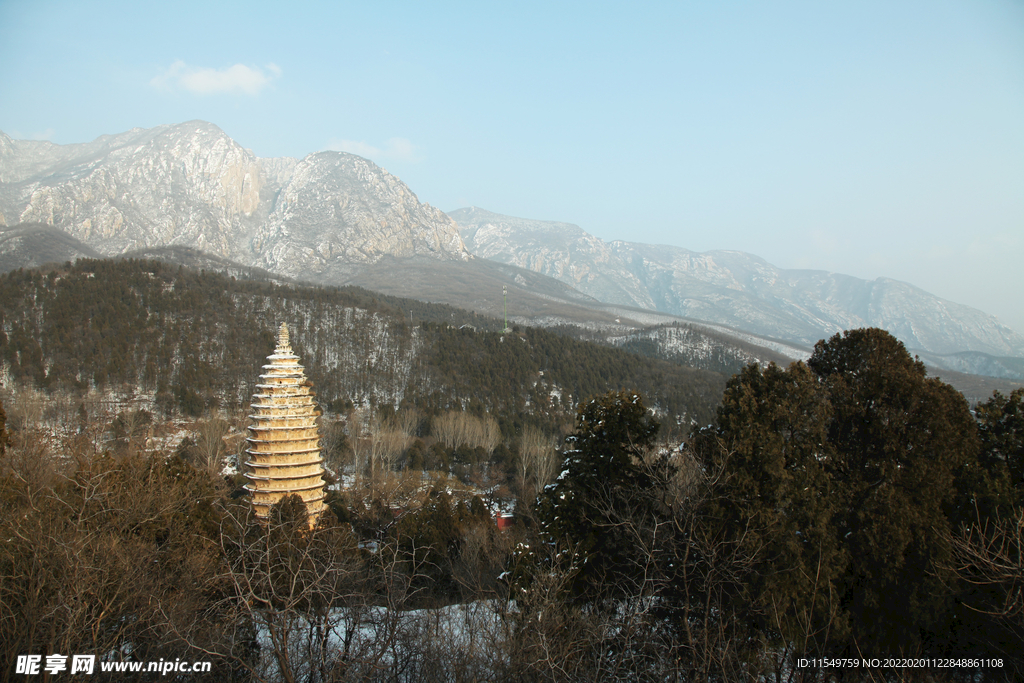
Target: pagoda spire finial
{"points": [[282, 337]]}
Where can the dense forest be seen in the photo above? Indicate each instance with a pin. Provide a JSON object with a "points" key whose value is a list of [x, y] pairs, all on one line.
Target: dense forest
{"points": [[844, 519], [193, 341]]}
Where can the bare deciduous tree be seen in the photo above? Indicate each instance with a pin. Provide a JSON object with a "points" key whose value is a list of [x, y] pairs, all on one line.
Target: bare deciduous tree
{"points": [[447, 428], [457, 428], [99, 554], [990, 556], [538, 461]]}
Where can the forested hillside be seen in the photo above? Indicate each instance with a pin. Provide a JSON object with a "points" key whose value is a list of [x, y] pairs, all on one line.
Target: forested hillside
{"points": [[191, 341]]}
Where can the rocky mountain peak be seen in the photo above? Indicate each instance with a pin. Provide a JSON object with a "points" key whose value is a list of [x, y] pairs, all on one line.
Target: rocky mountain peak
{"points": [[190, 184], [338, 209]]}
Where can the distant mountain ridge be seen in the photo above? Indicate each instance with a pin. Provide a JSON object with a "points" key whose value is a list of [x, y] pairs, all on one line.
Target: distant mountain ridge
{"points": [[559, 250], [734, 288]]}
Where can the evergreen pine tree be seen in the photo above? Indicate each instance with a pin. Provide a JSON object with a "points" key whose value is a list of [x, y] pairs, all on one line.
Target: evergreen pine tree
{"points": [[602, 485], [844, 476], [1001, 428]]}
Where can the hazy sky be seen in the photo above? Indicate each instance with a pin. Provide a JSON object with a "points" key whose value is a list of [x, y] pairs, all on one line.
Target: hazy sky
{"points": [[870, 138]]}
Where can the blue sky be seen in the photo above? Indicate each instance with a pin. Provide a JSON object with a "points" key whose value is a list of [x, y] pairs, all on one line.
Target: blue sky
{"points": [[869, 138]]}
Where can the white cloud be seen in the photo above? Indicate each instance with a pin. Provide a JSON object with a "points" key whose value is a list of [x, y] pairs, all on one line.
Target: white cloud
{"points": [[235, 79], [395, 149]]}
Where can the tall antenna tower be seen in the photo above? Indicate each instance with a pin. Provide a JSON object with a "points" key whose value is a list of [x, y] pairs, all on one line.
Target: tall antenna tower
{"points": [[504, 296]]}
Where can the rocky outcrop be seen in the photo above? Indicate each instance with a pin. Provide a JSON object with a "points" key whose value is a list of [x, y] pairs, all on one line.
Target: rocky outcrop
{"points": [[173, 185]]}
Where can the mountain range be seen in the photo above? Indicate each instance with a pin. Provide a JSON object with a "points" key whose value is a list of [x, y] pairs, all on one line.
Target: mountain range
{"points": [[337, 218], [734, 288]]}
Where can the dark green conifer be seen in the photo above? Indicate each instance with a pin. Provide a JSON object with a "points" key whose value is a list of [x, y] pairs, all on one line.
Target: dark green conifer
{"points": [[1001, 428], [846, 474], [601, 485]]}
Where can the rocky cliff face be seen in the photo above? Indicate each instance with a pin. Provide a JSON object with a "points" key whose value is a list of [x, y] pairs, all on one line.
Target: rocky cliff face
{"points": [[191, 185], [338, 210], [188, 184], [735, 289]]}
